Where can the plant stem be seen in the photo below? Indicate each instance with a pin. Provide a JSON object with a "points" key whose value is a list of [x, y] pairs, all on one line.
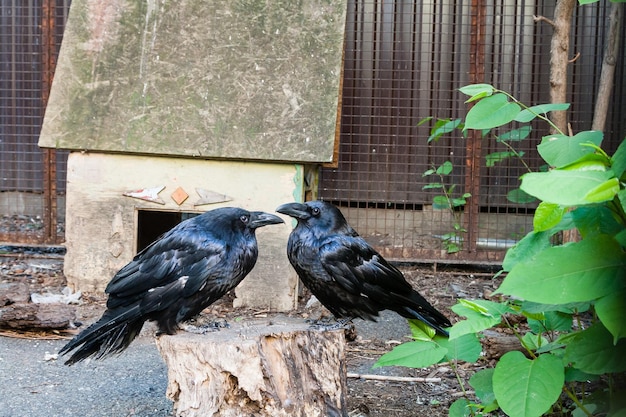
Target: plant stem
{"points": [[460, 381], [517, 335], [455, 216], [508, 145], [525, 107], [576, 401]]}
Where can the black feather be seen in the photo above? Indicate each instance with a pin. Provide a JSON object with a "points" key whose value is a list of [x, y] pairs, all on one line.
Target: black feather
{"points": [[345, 273], [175, 278]]}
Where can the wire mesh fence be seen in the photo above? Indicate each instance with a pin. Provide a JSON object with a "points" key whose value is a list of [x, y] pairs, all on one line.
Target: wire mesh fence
{"points": [[404, 61], [32, 181]]}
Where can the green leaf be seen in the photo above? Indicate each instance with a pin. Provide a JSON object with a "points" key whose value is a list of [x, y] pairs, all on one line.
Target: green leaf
{"points": [[420, 330], [573, 374], [446, 127], [538, 316], [477, 91], [547, 215], [603, 192], [464, 348], [622, 198], [482, 382], [618, 161], [520, 197], [445, 168], [424, 120], [527, 388], [560, 150], [432, 185], [530, 113], [556, 348], [441, 202], [593, 351], [452, 247], [611, 310], [567, 188], [460, 408], [495, 157], [589, 162], [457, 202], [552, 321], [570, 308], [491, 112], [581, 271], [621, 238], [595, 220], [481, 315], [527, 248], [533, 342], [417, 354], [558, 321], [515, 134], [484, 310]]}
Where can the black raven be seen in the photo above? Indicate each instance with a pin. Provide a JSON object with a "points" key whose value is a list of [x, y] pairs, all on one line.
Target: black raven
{"points": [[345, 273], [175, 278]]}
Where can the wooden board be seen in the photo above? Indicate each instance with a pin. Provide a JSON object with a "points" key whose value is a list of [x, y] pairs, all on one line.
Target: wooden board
{"points": [[245, 79]]}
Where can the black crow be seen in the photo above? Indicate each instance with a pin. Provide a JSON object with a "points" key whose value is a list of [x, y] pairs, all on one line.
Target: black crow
{"points": [[345, 273], [175, 278]]}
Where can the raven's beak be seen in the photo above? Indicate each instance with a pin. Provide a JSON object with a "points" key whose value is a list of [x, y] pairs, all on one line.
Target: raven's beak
{"points": [[295, 210], [260, 219]]}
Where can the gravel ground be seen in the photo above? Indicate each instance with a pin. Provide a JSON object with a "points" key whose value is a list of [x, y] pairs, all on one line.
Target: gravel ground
{"points": [[34, 384], [132, 384]]}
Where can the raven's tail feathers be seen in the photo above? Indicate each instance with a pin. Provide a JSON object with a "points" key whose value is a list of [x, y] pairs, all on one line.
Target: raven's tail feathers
{"points": [[422, 310], [108, 336], [436, 324]]}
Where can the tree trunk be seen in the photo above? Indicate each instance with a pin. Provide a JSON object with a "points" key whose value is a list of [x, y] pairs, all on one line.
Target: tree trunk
{"points": [[559, 59], [259, 368], [608, 67]]}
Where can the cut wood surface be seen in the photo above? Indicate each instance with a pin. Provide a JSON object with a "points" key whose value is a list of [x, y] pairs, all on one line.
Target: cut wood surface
{"points": [[261, 368]]}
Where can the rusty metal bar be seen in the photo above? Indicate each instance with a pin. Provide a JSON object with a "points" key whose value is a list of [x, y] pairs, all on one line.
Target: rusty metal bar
{"points": [[474, 140], [49, 155], [481, 257]]}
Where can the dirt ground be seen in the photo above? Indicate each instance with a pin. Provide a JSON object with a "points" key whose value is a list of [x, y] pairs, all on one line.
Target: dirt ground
{"points": [[367, 397]]}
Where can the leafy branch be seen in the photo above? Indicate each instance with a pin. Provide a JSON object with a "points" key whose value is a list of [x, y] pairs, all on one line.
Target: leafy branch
{"points": [[453, 241], [571, 297]]}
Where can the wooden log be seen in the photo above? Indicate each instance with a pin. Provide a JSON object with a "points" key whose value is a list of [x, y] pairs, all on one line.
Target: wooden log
{"points": [[37, 316], [260, 368], [496, 344]]}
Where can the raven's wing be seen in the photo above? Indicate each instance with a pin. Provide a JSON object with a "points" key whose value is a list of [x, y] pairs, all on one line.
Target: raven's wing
{"points": [[191, 256], [358, 268]]}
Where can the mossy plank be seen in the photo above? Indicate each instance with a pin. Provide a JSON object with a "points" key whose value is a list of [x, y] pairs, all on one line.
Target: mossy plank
{"points": [[245, 79]]}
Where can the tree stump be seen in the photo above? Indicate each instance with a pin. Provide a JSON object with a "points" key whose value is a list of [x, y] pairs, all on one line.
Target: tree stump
{"points": [[259, 368]]}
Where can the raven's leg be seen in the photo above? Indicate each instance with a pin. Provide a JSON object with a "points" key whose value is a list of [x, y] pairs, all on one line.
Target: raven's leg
{"points": [[345, 323], [323, 319], [202, 325]]}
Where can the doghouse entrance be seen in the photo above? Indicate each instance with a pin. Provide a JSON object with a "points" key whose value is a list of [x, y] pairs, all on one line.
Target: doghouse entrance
{"points": [[152, 224]]}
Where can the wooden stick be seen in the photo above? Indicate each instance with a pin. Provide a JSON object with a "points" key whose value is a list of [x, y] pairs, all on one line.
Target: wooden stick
{"points": [[392, 378]]}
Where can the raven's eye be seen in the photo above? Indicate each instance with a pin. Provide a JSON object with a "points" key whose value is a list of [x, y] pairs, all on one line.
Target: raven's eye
{"points": [[244, 219], [315, 211]]}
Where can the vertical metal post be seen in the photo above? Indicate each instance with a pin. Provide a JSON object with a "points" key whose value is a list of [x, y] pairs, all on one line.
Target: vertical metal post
{"points": [[49, 155], [474, 140]]}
